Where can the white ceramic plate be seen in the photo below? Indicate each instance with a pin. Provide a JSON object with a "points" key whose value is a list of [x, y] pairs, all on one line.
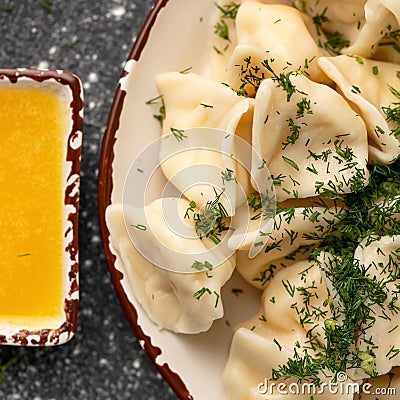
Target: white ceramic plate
{"points": [[172, 39]]}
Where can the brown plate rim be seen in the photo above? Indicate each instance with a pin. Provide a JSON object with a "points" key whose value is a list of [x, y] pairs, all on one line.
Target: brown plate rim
{"points": [[104, 200]]}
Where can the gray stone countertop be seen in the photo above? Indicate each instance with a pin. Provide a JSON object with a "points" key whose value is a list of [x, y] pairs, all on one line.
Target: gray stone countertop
{"points": [[104, 361]]}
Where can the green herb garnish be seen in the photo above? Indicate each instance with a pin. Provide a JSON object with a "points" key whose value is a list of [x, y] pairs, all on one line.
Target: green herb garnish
{"points": [[7, 9], [199, 266], [4, 367], [320, 19], [162, 112], [367, 214], [179, 134], [228, 11], [334, 44], [212, 220], [47, 5]]}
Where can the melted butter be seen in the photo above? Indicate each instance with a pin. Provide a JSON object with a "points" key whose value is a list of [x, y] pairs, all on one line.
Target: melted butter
{"points": [[32, 131]]}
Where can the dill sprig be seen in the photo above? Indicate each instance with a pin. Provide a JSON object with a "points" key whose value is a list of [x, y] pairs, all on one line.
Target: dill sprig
{"points": [[254, 201], [294, 130], [227, 11], [179, 134], [319, 20], [250, 75], [366, 215], [391, 38], [162, 112], [392, 112], [201, 292], [262, 205], [47, 5], [7, 9], [300, 5], [199, 266], [228, 176], [222, 30], [4, 367], [212, 219], [334, 44], [283, 79]]}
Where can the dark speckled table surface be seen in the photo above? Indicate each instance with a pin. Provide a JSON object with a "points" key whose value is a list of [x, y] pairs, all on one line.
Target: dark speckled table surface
{"points": [[103, 361]]}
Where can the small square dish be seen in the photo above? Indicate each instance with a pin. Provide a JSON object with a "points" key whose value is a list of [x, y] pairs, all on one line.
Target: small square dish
{"points": [[41, 120]]}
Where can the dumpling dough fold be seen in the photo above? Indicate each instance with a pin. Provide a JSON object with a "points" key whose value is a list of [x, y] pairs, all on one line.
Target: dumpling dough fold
{"points": [[168, 298], [192, 101], [309, 137], [266, 32], [380, 15], [295, 232], [270, 338], [369, 84]]}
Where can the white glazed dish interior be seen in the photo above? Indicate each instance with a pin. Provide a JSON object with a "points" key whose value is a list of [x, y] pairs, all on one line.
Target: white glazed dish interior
{"points": [[198, 359]]}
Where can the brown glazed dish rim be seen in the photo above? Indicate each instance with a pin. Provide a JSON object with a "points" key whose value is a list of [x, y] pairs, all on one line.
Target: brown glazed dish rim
{"points": [[104, 200]]}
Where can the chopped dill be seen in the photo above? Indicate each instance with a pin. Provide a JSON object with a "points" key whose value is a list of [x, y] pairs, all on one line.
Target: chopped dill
{"points": [[367, 214], [47, 5], [282, 80], [291, 163], [295, 133], [179, 134], [334, 44], [191, 208], [392, 112], [227, 12], [140, 227], [212, 219], [319, 20], [222, 30], [186, 70], [300, 5], [237, 292], [266, 275], [162, 112], [391, 39], [5, 366], [199, 266], [228, 176], [201, 292]]}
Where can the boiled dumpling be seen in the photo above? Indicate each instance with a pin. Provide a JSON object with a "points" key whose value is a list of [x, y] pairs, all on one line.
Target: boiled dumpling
{"points": [[275, 335], [340, 19], [266, 32], [295, 232], [172, 300], [373, 87], [283, 306], [192, 101], [381, 16], [380, 257], [196, 167], [305, 145]]}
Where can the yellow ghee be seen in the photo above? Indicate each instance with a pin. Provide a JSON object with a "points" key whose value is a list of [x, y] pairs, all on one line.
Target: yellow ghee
{"points": [[32, 132]]}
